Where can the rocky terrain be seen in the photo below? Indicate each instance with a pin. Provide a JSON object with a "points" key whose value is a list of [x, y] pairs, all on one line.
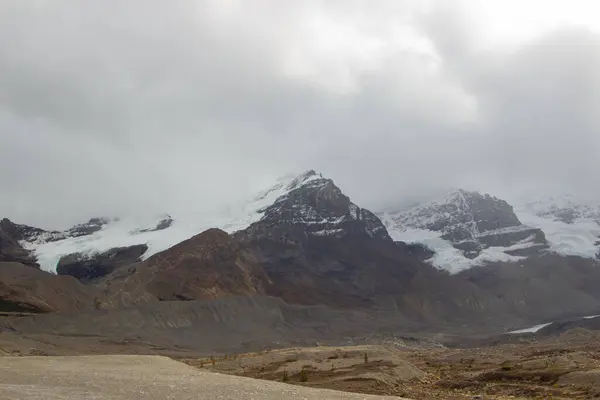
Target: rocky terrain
{"points": [[10, 247], [88, 269], [560, 367], [27, 289]]}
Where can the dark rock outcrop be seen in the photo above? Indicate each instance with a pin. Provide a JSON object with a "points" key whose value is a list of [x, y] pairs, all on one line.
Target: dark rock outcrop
{"points": [[29, 233], [93, 225], [88, 268], [164, 223]]}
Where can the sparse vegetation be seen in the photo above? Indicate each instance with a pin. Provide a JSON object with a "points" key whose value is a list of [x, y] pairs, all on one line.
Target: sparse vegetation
{"points": [[303, 375], [499, 372]]}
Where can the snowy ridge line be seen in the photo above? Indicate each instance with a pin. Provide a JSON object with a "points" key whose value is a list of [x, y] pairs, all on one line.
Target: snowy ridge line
{"points": [[129, 232]]}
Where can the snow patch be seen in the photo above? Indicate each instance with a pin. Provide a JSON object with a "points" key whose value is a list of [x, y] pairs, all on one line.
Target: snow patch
{"points": [[327, 232], [536, 328], [532, 329]]}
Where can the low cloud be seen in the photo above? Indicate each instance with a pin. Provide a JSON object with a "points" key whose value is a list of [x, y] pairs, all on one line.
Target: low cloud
{"points": [[146, 108]]}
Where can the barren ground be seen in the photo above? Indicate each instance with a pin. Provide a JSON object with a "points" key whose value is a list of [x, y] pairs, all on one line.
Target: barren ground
{"points": [[563, 368], [137, 377]]}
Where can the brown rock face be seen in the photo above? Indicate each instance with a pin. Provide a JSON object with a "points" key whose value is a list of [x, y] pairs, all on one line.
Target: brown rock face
{"points": [[10, 249], [26, 289], [206, 266], [351, 272]]}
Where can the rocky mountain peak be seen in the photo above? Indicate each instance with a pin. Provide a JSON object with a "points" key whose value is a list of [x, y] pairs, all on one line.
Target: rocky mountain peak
{"points": [[463, 225], [320, 208]]}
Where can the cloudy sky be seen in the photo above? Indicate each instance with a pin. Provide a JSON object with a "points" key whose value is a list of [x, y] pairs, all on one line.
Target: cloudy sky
{"points": [[112, 107]]}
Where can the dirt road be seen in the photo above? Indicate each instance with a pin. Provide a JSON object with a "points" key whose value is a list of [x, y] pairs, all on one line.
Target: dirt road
{"points": [[137, 378]]}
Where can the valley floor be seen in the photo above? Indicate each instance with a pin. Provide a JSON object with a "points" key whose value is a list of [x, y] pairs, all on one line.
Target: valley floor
{"points": [[512, 367], [563, 368], [138, 377]]}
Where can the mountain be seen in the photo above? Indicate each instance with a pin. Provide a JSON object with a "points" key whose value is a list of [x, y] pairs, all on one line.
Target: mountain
{"points": [[303, 247], [462, 229], [466, 229], [27, 289], [571, 223], [11, 249], [314, 246], [311, 246], [101, 235]]}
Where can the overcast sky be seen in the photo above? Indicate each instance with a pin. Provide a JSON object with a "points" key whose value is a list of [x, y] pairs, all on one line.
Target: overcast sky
{"points": [[112, 107]]}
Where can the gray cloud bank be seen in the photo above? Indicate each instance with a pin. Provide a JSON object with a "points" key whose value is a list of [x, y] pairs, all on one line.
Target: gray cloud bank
{"points": [[118, 107]]}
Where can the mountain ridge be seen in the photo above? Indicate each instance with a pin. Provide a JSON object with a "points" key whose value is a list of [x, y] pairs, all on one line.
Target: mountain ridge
{"points": [[464, 229]]}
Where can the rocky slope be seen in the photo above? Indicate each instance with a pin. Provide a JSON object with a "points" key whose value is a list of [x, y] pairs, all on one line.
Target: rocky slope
{"points": [[305, 242], [311, 246], [466, 229], [27, 289], [10, 247], [90, 268]]}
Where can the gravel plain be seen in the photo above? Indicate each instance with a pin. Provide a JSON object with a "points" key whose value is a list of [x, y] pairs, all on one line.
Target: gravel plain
{"points": [[140, 378]]}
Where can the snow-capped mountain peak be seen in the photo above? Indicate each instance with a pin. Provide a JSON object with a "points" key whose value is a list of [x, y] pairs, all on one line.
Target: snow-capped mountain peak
{"points": [[306, 199], [465, 229]]}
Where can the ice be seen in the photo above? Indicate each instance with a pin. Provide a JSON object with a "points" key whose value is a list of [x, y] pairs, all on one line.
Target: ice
{"points": [[125, 232], [578, 238], [532, 329], [449, 258], [536, 328]]}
